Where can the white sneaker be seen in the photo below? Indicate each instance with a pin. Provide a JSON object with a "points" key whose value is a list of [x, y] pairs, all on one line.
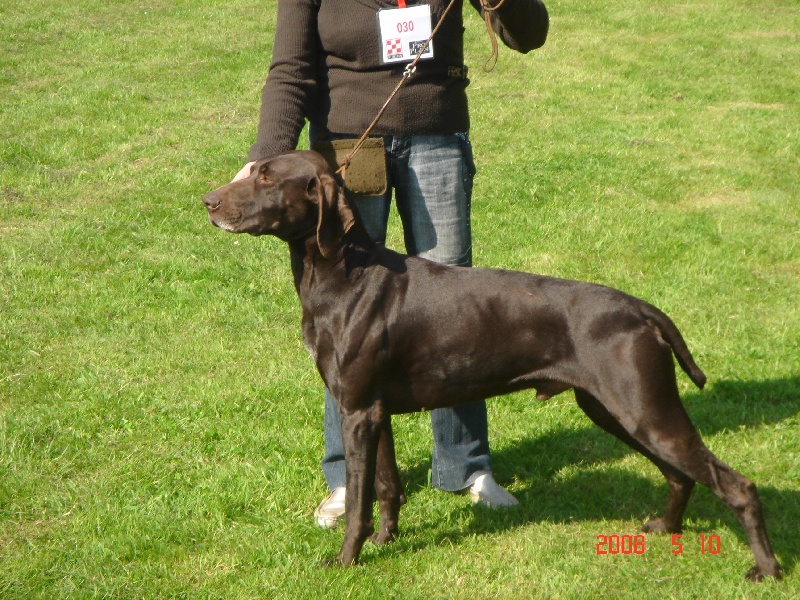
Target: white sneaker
{"points": [[331, 509], [486, 491]]}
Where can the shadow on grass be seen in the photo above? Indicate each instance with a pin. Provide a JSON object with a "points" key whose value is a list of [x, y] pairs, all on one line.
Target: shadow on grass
{"points": [[594, 490]]}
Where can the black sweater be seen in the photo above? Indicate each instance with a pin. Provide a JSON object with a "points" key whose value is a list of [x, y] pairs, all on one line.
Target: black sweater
{"points": [[326, 68]]}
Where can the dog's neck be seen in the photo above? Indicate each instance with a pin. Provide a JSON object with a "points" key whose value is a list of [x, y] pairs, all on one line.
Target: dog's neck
{"points": [[308, 262], [355, 253]]}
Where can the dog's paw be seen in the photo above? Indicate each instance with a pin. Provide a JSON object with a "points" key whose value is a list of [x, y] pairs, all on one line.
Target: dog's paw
{"points": [[659, 526], [383, 536], [337, 561], [331, 562], [756, 575]]}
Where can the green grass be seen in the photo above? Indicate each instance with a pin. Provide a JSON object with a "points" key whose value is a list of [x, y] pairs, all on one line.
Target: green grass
{"points": [[160, 420]]}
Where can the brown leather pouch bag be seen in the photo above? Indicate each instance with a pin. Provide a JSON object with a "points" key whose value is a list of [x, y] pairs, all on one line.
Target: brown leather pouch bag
{"points": [[366, 174]]}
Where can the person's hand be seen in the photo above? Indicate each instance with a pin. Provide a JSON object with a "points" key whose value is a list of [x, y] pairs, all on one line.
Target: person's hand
{"points": [[244, 172]]}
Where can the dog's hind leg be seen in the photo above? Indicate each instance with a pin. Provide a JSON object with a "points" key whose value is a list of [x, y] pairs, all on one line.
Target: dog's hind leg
{"points": [[739, 493], [388, 487], [680, 490], [680, 486], [645, 402]]}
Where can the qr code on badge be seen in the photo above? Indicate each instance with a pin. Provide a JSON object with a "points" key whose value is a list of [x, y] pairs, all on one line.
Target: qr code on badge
{"points": [[415, 47]]}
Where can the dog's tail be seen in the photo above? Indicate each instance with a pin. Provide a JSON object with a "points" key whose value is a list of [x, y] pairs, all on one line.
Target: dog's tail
{"points": [[673, 337]]}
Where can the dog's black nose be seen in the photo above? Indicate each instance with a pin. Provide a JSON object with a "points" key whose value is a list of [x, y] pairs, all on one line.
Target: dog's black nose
{"points": [[212, 201]]}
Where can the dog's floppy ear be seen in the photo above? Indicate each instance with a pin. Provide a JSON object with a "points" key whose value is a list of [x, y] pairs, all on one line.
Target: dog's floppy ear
{"points": [[335, 216]]}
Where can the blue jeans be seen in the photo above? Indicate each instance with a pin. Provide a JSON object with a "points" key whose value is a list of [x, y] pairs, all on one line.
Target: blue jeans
{"points": [[431, 176]]}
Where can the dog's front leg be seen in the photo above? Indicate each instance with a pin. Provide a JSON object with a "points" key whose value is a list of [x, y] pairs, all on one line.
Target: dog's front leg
{"points": [[388, 487], [360, 432]]}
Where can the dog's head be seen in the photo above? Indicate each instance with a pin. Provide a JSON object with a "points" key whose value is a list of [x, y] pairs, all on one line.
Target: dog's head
{"points": [[290, 196]]}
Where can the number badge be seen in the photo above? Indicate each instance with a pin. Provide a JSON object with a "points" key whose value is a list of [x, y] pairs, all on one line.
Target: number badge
{"points": [[404, 32]]}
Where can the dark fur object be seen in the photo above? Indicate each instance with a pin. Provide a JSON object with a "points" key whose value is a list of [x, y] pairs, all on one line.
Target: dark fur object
{"points": [[394, 334]]}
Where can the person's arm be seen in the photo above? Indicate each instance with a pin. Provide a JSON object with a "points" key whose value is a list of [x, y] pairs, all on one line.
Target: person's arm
{"points": [[521, 24], [288, 93]]}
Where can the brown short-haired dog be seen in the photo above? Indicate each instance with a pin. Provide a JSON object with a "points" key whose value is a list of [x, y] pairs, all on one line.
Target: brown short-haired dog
{"points": [[379, 326]]}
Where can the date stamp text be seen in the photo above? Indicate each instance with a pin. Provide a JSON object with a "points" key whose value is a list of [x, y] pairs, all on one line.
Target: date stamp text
{"points": [[637, 544]]}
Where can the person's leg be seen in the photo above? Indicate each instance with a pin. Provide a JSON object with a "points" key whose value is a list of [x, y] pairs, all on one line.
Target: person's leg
{"points": [[333, 457], [433, 189], [432, 177], [460, 446]]}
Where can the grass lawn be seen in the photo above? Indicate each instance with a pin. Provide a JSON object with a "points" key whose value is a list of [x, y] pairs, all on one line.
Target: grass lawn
{"points": [[160, 420]]}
